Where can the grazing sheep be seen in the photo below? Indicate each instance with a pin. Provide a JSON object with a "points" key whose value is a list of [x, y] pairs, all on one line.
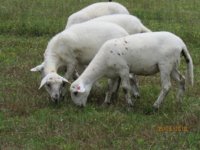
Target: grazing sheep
{"points": [[141, 54], [74, 47], [130, 23], [96, 10]]}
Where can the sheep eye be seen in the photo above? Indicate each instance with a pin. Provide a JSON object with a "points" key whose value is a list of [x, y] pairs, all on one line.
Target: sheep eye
{"points": [[48, 85], [75, 93], [63, 84]]}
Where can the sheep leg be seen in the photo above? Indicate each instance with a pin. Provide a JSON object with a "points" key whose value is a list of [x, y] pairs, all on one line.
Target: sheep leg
{"points": [[75, 75], [126, 86], [69, 76], [181, 80], [134, 85], [112, 88], [166, 84], [80, 69], [116, 89], [70, 71]]}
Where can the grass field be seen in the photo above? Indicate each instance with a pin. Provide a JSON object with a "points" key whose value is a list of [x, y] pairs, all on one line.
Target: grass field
{"points": [[29, 121]]}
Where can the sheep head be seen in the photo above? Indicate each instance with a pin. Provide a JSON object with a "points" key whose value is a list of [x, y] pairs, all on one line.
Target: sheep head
{"points": [[55, 86], [79, 93]]}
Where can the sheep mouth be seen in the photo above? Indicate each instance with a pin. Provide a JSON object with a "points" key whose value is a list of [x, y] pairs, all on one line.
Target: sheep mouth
{"points": [[62, 98], [81, 106], [54, 100]]}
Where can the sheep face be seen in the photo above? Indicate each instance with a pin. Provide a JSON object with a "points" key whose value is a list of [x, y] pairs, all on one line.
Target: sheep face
{"points": [[79, 94], [54, 85]]}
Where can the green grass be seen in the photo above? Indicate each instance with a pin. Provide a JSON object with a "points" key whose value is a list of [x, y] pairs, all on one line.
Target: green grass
{"points": [[29, 121]]}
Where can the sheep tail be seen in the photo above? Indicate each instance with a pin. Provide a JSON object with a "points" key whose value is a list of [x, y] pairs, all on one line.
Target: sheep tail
{"points": [[188, 59]]}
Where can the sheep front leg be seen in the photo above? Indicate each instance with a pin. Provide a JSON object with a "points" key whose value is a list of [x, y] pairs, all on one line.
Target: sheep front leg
{"points": [[69, 76], [78, 71], [70, 71], [134, 85], [113, 86], [126, 86]]}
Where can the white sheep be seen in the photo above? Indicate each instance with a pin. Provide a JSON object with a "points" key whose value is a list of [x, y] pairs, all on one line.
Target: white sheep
{"points": [[130, 23], [74, 47], [141, 54], [96, 10]]}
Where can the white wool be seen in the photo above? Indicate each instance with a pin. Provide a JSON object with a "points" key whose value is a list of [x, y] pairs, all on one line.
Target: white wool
{"points": [[96, 10]]}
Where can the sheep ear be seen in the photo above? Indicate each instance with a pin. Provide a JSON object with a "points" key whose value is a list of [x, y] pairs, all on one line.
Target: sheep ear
{"points": [[43, 82], [65, 80], [38, 68]]}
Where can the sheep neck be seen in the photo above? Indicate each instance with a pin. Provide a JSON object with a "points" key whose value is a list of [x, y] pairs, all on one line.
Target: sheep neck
{"points": [[51, 64], [93, 72], [52, 60]]}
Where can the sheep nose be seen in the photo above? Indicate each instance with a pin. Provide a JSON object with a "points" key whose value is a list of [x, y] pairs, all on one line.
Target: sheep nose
{"points": [[56, 96], [56, 101]]}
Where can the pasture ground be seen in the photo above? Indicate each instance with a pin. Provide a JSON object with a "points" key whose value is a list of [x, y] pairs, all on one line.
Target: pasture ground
{"points": [[29, 121]]}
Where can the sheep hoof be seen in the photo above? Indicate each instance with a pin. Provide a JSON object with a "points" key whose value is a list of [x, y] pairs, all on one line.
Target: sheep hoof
{"points": [[151, 111], [130, 104], [136, 95], [155, 109], [106, 104], [62, 98], [114, 96], [178, 106], [129, 108]]}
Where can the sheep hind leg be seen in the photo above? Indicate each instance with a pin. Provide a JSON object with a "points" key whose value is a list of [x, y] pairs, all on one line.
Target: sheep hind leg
{"points": [[166, 84], [128, 97], [181, 80]]}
